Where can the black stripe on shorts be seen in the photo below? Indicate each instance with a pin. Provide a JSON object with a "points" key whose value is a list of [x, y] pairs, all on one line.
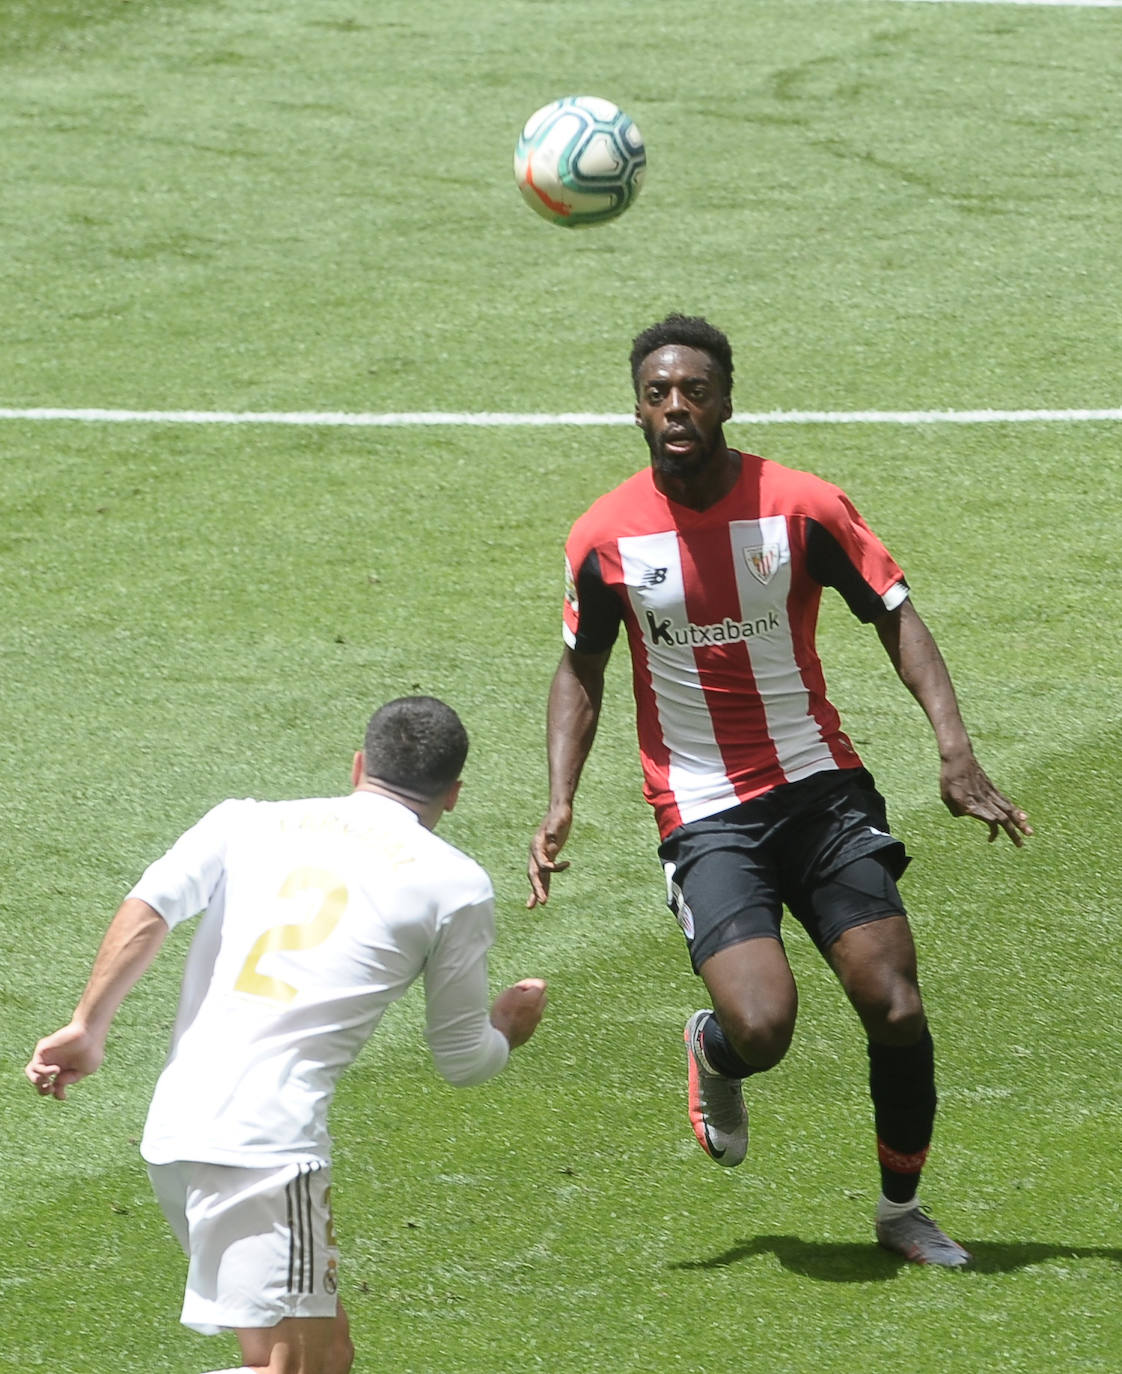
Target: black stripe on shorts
{"points": [[301, 1233]]}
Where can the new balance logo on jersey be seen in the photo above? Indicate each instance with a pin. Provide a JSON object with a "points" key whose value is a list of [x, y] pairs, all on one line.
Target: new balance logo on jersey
{"points": [[654, 577], [696, 636]]}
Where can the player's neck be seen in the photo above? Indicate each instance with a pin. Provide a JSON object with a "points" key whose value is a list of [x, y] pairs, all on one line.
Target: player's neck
{"points": [[427, 810], [704, 487]]}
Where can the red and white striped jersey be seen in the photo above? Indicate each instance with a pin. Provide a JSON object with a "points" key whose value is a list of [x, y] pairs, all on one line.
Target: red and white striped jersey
{"points": [[720, 608]]}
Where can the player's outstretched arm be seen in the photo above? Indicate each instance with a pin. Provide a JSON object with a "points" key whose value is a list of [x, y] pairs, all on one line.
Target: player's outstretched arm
{"points": [[130, 944], [963, 785], [574, 710]]}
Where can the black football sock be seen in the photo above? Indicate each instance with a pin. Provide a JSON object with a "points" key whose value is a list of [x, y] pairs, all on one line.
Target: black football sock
{"points": [[720, 1054], [902, 1085]]}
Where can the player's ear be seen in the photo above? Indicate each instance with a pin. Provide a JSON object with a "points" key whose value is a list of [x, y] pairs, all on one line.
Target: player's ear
{"points": [[358, 768], [726, 409], [638, 420], [453, 795]]}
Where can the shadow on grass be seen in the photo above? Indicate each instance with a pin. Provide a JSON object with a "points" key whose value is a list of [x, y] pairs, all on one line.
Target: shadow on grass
{"points": [[845, 1262]]}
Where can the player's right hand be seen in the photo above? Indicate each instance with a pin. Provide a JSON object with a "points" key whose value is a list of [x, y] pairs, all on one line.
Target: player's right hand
{"points": [[63, 1058], [544, 848]]}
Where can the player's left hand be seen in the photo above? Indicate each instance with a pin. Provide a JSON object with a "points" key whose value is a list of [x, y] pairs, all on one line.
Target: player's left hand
{"points": [[63, 1058], [967, 791]]}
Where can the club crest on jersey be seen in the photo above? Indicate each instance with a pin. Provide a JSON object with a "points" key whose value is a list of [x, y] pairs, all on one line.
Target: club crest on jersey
{"points": [[763, 562]]}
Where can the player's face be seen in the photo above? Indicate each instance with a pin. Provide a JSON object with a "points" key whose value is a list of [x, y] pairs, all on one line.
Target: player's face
{"points": [[681, 406]]}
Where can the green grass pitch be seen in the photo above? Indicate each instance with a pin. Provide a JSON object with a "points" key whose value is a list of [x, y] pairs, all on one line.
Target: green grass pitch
{"points": [[307, 205]]}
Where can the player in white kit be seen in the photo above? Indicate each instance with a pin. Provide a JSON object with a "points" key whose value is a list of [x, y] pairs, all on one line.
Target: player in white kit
{"points": [[317, 914]]}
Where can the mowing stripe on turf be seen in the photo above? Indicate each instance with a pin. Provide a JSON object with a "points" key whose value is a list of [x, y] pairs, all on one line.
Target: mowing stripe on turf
{"points": [[407, 418], [1068, 4]]}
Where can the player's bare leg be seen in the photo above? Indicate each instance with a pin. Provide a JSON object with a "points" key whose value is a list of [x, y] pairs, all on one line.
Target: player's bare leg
{"points": [[876, 965], [299, 1345], [754, 998]]}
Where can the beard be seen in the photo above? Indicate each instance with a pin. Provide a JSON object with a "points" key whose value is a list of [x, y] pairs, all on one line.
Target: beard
{"points": [[678, 465]]}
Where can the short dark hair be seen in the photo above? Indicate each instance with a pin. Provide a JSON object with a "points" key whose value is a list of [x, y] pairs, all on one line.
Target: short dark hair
{"points": [[690, 331], [416, 743]]}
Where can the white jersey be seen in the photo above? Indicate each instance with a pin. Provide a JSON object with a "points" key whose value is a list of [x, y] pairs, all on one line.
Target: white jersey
{"points": [[317, 915]]}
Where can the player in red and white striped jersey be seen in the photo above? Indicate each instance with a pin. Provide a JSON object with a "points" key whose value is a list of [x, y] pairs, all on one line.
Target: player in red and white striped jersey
{"points": [[713, 561]]}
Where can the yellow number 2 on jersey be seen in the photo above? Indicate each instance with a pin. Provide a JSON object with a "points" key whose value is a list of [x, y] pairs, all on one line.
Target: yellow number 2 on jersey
{"points": [[294, 936]]}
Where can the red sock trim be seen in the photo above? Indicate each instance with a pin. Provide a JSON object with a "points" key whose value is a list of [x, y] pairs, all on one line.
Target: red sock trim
{"points": [[900, 1163]]}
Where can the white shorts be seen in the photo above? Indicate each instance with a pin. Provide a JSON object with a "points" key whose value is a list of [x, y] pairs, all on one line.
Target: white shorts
{"points": [[260, 1243]]}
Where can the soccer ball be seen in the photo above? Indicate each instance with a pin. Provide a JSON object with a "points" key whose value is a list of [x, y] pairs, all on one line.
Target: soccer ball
{"points": [[579, 161]]}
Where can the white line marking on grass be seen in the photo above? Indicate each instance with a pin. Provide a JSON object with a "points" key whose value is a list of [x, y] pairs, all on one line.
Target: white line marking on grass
{"points": [[356, 419], [501, 419], [923, 417]]}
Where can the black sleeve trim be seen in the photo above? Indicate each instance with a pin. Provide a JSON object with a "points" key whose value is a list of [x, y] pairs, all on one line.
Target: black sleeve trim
{"points": [[829, 564], [600, 612]]}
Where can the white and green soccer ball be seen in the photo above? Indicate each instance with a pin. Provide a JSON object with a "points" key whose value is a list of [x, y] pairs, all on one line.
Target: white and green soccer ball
{"points": [[579, 161]]}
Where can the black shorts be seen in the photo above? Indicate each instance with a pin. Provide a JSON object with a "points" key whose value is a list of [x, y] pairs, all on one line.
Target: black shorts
{"points": [[820, 846]]}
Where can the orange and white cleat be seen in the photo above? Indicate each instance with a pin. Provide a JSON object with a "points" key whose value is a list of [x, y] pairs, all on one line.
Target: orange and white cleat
{"points": [[717, 1112]]}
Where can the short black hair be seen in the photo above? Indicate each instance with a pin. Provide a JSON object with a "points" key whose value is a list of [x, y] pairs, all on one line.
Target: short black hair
{"points": [[416, 743], [690, 331]]}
